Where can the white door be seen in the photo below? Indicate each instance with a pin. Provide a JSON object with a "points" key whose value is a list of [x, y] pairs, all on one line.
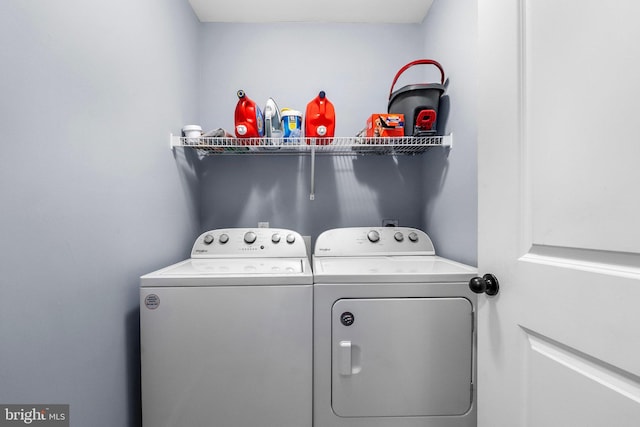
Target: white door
{"points": [[559, 222]]}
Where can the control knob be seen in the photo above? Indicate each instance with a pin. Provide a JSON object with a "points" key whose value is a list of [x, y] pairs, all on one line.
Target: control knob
{"points": [[291, 238], [398, 236], [275, 238], [208, 239], [224, 238], [250, 237], [413, 236], [373, 236]]}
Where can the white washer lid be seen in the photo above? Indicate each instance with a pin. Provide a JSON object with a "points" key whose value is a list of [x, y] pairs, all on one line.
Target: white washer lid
{"points": [[390, 269], [233, 271]]}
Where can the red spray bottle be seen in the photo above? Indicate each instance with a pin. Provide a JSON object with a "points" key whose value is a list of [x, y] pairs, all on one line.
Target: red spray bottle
{"points": [[320, 120]]}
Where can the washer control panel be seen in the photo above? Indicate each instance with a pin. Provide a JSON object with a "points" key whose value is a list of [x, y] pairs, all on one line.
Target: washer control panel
{"points": [[364, 241], [252, 242]]}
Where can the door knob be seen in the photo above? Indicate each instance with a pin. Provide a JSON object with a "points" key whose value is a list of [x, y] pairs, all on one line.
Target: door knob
{"points": [[487, 284]]}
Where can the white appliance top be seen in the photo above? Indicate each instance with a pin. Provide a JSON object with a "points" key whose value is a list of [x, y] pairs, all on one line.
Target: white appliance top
{"points": [[239, 256], [383, 255]]}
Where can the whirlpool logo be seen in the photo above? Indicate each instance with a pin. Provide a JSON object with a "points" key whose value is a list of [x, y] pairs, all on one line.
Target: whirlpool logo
{"points": [[36, 415]]}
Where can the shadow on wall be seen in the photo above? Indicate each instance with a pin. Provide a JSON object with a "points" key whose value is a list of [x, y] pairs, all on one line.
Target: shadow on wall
{"points": [[436, 169], [444, 108], [244, 189], [436, 166], [396, 187], [188, 164], [132, 334]]}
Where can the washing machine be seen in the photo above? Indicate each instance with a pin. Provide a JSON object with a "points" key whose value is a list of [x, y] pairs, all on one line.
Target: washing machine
{"points": [[226, 335], [394, 332]]}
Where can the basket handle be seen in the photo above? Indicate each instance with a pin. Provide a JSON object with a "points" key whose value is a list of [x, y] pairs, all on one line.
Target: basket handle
{"points": [[417, 62]]}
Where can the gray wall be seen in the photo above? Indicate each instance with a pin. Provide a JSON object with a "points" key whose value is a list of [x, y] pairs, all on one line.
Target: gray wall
{"points": [[450, 176], [355, 65], [92, 197]]}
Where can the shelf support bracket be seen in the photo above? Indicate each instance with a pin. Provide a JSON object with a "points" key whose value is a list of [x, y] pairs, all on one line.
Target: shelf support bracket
{"points": [[447, 141], [312, 194]]}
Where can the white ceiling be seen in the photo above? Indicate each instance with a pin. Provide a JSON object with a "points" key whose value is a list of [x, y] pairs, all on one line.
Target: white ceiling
{"points": [[365, 11]]}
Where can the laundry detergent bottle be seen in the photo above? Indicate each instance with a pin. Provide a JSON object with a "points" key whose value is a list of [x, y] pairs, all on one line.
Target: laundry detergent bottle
{"points": [[320, 120], [249, 121]]}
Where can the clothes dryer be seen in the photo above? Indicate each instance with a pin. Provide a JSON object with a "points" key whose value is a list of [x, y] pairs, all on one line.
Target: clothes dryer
{"points": [[394, 332], [226, 336]]}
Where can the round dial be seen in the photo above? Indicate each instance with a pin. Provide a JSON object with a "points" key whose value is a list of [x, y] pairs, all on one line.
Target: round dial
{"points": [[224, 238], [250, 237], [373, 236], [208, 239], [275, 238], [291, 238], [413, 236], [398, 236]]}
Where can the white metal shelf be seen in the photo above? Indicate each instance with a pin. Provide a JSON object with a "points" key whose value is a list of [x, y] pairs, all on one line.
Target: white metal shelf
{"points": [[326, 146], [337, 146]]}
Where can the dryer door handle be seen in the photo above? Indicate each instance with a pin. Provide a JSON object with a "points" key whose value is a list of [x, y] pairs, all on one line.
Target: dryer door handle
{"points": [[344, 358], [348, 358]]}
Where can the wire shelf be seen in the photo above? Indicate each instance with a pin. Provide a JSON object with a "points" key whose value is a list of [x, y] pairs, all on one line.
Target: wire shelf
{"points": [[337, 146], [322, 146]]}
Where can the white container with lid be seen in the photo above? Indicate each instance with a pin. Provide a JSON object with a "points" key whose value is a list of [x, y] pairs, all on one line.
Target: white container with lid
{"points": [[192, 132], [291, 125]]}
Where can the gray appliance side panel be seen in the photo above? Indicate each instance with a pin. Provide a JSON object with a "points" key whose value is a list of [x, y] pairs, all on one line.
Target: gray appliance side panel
{"points": [[401, 357], [227, 356]]}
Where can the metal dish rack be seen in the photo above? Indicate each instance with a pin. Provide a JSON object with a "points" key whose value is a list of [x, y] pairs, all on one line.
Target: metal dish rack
{"points": [[337, 146]]}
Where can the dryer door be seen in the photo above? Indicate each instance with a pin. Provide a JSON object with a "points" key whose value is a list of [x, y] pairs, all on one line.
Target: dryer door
{"points": [[402, 357]]}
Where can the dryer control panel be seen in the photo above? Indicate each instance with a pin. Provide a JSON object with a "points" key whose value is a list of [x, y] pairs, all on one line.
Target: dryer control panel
{"points": [[249, 242], [365, 241]]}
